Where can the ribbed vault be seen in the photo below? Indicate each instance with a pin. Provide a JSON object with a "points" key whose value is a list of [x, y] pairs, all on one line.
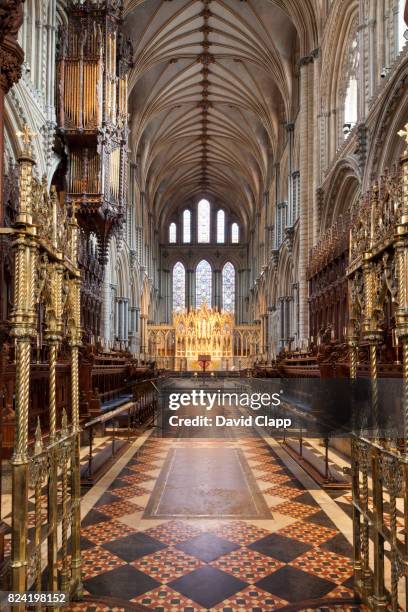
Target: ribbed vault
{"points": [[212, 84]]}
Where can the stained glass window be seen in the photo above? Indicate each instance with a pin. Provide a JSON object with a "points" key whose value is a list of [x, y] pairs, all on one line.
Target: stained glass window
{"points": [[203, 284], [228, 287], [235, 233], [172, 233], [220, 226], [203, 221], [179, 287], [186, 226]]}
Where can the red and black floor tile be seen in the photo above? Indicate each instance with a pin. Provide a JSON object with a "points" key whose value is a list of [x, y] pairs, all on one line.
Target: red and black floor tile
{"points": [[193, 564]]}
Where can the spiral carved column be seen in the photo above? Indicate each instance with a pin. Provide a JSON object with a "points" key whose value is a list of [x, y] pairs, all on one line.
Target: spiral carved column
{"points": [[23, 330], [75, 460], [53, 473]]}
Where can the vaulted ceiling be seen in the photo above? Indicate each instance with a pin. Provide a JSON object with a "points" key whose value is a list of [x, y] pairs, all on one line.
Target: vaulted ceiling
{"points": [[211, 85]]}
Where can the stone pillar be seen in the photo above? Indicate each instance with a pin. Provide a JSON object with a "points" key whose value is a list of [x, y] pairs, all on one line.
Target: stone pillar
{"points": [[242, 292], [307, 136], [126, 320], [116, 319], [121, 330], [143, 335], [190, 289], [264, 334], [277, 199], [167, 296], [132, 330], [288, 302], [137, 332], [106, 311], [271, 339], [315, 166], [217, 289], [295, 314], [282, 322], [290, 218]]}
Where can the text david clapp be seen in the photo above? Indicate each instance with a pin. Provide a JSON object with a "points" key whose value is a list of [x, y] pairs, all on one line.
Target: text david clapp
{"points": [[222, 421]]}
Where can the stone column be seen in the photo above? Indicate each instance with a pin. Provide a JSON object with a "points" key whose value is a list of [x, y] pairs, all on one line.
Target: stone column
{"points": [[307, 122], [264, 334], [271, 340], [288, 302], [143, 334], [137, 332], [290, 129], [116, 319], [190, 289], [277, 199], [217, 289], [119, 318], [126, 320], [167, 295], [132, 330], [282, 322], [106, 310], [295, 314]]}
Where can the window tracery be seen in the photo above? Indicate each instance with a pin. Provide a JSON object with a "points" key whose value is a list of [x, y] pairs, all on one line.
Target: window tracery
{"points": [[187, 226], [203, 284], [173, 233], [228, 287], [235, 233], [179, 287], [352, 62], [220, 227], [203, 221]]}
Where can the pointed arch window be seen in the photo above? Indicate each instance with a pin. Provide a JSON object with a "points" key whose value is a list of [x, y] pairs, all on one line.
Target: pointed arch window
{"points": [[235, 233], [351, 81], [203, 284], [228, 287], [173, 233], [402, 27], [220, 227], [203, 221], [179, 287], [187, 226]]}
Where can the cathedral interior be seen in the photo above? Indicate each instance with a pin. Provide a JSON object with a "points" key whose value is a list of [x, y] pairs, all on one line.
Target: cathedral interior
{"points": [[198, 198]]}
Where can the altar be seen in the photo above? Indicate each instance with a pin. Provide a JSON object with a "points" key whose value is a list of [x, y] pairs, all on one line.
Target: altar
{"points": [[203, 332]]}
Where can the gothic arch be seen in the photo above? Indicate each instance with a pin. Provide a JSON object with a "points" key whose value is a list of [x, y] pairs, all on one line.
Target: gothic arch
{"points": [[342, 22], [285, 273], [392, 115], [345, 187], [123, 273], [135, 289]]}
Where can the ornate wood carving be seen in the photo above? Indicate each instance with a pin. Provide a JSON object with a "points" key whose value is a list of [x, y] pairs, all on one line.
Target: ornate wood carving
{"points": [[328, 282], [93, 64]]}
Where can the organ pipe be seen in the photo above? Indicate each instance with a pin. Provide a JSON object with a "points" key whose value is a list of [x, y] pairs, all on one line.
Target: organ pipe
{"points": [[93, 63]]}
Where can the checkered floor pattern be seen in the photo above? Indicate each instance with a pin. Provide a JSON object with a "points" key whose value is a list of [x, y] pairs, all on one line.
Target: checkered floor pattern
{"points": [[193, 565]]}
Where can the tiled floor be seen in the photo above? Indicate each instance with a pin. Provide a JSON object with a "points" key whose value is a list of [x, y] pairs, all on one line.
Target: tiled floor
{"points": [[213, 563]]}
